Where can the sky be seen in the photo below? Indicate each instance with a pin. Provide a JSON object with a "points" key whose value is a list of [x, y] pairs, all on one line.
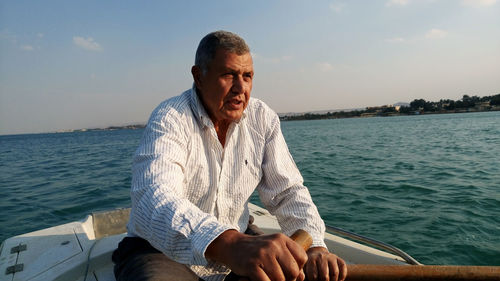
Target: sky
{"points": [[86, 64]]}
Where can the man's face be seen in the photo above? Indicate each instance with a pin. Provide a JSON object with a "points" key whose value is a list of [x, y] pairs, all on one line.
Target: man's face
{"points": [[225, 87]]}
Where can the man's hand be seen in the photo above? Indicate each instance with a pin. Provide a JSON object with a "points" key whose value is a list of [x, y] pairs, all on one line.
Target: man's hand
{"points": [[259, 258], [323, 265]]}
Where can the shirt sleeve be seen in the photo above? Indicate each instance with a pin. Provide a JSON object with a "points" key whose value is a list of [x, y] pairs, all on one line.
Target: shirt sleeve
{"points": [[282, 191], [161, 213]]}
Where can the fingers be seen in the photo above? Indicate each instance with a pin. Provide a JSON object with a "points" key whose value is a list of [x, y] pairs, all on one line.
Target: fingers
{"points": [[290, 267], [302, 276], [337, 269], [343, 269], [333, 269], [258, 274], [323, 265], [327, 269], [270, 257], [298, 253], [277, 271], [290, 261], [311, 270]]}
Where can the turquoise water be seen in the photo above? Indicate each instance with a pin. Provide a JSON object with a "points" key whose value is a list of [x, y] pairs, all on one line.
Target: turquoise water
{"points": [[429, 185]]}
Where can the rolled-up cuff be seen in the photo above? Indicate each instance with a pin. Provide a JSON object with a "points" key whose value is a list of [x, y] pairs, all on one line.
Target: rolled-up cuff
{"points": [[318, 243], [203, 237]]}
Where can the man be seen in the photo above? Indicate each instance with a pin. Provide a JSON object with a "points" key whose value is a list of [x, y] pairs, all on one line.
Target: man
{"points": [[202, 155]]}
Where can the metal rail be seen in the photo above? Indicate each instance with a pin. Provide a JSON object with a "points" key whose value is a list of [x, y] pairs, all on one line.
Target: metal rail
{"points": [[373, 242]]}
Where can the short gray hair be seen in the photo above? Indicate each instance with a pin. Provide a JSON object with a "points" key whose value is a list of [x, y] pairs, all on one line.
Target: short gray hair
{"points": [[213, 41]]}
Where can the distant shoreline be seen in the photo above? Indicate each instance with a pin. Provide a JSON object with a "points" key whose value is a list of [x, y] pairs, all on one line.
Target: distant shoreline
{"points": [[467, 104], [110, 128], [356, 114], [298, 117], [305, 116], [416, 107]]}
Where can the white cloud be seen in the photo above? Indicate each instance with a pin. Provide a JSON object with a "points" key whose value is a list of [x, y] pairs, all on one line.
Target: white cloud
{"points": [[397, 2], [479, 2], [27, 48], [436, 33], [337, 7], [87, 43], [324, 66], [40, 35]]}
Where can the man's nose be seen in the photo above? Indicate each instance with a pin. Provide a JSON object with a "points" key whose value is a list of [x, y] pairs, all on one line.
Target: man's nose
{"points": [[239, 85]]}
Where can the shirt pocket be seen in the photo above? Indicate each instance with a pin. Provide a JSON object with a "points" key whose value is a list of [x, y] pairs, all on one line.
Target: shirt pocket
{"points": [[248, 168]]}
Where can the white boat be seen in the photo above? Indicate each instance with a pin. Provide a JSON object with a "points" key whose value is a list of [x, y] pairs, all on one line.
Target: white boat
{"points": [[82, 250]]}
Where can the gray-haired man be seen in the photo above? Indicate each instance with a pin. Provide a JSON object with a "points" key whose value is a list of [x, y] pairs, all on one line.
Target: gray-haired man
{"points": [[202, 155]]}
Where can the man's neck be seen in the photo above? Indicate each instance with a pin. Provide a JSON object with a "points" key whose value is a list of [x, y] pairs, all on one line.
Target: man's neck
{"points": [[221, 129]]}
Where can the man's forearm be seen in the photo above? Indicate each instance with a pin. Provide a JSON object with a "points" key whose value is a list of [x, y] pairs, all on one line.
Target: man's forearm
{"points": [[218, 250]]}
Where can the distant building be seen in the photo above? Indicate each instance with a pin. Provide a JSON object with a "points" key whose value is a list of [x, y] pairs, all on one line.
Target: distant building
{"points": [[384, 110], [482, 106]]}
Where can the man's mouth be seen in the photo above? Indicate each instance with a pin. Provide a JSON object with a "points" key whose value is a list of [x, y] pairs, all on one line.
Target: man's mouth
{"points": [[235, 103]]}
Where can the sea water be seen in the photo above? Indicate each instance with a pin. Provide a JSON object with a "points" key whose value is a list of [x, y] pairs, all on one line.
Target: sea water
{"points": [[430, 184]]}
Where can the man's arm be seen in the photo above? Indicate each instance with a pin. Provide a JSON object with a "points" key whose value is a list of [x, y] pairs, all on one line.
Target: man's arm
{"points": [[284, 195], [160, 212], [282, 191]]}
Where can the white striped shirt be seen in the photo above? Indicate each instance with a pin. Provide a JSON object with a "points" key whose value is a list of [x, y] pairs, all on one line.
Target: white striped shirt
{"points": [[187, 188]]}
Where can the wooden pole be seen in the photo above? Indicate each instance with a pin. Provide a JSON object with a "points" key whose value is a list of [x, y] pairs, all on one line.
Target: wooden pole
{"points": [[376, 272], [365, 272], [302, 238], [361, 272]]}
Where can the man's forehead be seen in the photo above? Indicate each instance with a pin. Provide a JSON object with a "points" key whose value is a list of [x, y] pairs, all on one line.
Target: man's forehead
{"points": [[231, 59]]}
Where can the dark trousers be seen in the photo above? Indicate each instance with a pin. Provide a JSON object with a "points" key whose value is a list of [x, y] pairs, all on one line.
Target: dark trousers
{"points": [[135, 259]]}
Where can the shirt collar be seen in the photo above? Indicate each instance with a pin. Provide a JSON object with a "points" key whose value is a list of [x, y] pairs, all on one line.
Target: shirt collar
{"points": [[198, 109], [200, 112]]}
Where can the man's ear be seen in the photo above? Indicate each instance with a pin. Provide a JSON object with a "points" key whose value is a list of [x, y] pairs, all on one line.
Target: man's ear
{"points": [[196, 72]]}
